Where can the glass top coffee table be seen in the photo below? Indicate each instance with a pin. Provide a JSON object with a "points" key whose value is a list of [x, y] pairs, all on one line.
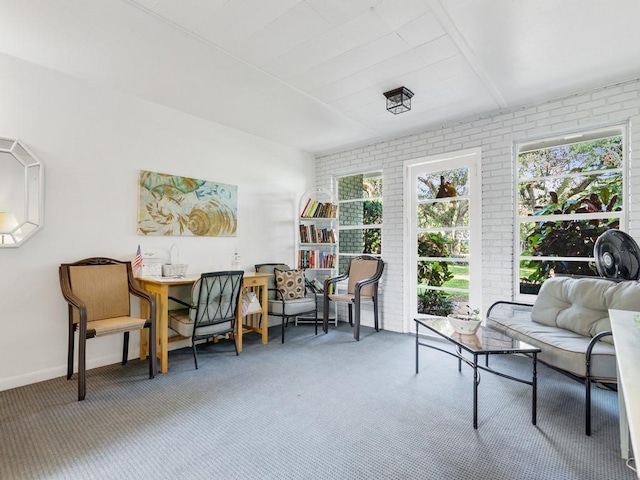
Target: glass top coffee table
{"points": [[484, 342]]}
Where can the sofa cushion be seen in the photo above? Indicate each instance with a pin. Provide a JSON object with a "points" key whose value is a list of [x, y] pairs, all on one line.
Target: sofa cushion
{"points": [[181, 321], [561, 348], [581, 305], [293, 307]]}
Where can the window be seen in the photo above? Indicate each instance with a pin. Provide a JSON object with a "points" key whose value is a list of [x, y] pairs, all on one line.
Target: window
{"points": [[443, 206], [569, 191], [359, 216]]}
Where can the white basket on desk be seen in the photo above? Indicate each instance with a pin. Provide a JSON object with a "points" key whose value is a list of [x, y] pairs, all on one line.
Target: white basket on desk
{"points": [[174, 270]]}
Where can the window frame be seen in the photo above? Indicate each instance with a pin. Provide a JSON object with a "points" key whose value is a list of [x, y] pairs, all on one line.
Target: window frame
{"points": [[472, 159], [549, 141], [343, 228]]}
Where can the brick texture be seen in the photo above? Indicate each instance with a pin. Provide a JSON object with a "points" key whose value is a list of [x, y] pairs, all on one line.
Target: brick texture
{"points": [[495, 134]]}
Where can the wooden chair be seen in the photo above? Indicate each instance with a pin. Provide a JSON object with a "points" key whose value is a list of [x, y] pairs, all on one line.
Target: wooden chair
{"points": [[284, 304], [212, 311], [363, 274], [98, 291]]}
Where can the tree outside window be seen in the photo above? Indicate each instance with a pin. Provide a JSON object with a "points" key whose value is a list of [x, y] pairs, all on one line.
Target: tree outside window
{"points": [[570, 190], [443, 233]]}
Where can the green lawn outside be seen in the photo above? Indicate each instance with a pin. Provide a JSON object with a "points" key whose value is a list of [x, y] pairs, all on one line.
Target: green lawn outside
{"points": [[460, 277]]}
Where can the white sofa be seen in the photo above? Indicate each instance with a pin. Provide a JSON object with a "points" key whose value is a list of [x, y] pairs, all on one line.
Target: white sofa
{"points": [[569, 321]]}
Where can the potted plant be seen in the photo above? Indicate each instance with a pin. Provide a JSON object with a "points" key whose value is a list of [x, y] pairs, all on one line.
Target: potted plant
{"points": [[465, 323]]}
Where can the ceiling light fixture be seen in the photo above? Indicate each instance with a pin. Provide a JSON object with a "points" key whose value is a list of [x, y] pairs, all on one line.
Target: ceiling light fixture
{"points": [[399, 100]]}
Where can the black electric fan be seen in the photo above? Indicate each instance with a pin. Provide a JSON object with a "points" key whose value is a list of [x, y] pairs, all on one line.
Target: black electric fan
{"points": [[617, 256]]}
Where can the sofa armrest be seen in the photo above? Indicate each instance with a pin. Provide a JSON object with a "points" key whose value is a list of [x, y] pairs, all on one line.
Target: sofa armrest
{"points": [[503, 309]]}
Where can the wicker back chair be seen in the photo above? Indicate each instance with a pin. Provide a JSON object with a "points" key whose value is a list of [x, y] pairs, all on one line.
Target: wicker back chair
{"points": [[98, 292], [363, 275]]}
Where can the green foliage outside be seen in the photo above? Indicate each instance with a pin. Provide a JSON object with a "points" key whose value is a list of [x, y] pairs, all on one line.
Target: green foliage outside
{"points": [[453, 212], [367, 191], [435, 274], [372, 215], [567, 194]]}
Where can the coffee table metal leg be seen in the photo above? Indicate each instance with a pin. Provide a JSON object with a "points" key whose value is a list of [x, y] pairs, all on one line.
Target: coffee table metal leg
{"points": [[534, 386], [475, 391], [459, 350], [417, 346]]}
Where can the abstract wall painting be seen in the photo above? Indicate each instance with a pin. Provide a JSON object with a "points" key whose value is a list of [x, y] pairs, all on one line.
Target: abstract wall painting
{"points": [[182, 206]]}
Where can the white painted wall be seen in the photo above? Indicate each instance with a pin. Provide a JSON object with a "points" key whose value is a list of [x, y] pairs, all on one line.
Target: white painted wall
{"points": [[495, 135], [93, 141]]}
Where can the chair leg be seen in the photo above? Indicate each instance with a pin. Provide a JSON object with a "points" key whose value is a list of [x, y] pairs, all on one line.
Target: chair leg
{"points": [[125, 348], [351, 314], [235, 345], [284, 319], [195, 356], [325, 313], [70, 353], [587, 382], [375, 313], [82, 380], [356, 328]]}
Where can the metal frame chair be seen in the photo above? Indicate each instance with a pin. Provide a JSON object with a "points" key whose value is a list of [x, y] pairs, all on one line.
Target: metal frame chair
{"points": [[363, 284], [213, 309], [284, 308], [98, 292]]}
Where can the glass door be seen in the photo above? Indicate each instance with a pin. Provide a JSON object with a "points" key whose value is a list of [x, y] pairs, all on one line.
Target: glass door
{"points": [[444, 235]]}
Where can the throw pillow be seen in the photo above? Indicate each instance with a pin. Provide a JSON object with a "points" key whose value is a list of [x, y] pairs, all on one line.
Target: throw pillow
{"points": [[290, 283]]}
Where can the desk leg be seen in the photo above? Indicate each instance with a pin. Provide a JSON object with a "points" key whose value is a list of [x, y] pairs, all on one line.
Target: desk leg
{"points": [[239, 327], [265, 313], [259, 287], [144, 332], [162, 328]]}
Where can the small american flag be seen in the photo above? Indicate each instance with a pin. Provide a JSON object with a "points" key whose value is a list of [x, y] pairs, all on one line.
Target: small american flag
{"points": [[137, 261]]}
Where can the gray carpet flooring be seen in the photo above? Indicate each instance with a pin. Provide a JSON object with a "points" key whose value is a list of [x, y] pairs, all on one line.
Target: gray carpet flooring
{"points": [[322, 407]]}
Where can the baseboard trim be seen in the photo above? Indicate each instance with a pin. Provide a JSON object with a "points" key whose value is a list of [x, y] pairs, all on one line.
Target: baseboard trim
{"points": [[55, 372]]}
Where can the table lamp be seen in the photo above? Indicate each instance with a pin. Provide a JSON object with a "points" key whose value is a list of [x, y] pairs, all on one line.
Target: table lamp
{"points": [[8, 222]]}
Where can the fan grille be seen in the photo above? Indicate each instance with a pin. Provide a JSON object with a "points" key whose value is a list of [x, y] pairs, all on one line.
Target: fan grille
{"points": [[617, 256]]}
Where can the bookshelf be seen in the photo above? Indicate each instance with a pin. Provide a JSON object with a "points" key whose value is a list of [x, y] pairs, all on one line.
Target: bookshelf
{"points": [[318, 239]]}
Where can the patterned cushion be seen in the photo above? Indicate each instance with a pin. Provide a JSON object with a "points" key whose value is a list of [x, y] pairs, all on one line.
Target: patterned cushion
{"points": [[271, 280], [290, 283]]}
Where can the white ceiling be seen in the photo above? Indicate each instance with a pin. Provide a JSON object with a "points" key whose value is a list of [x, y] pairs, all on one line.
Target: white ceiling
{"points": [[311, 73]]}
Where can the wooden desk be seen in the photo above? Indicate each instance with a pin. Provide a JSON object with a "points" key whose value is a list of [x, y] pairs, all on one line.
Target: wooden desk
{"points": [[160, 287], [626, 335]]}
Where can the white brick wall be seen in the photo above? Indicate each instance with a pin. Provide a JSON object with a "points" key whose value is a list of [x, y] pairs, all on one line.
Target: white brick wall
{"points": [[495, 135]]}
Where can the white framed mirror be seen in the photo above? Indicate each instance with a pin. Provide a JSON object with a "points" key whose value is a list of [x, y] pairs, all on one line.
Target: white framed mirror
{"points": [[21, 193]]}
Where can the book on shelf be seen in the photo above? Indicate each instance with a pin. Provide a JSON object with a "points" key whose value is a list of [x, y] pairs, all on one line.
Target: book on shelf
{"points": [[316, 259], [314, 286], [316, 209], [306, 207], [317, 285], [312, 234]]}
